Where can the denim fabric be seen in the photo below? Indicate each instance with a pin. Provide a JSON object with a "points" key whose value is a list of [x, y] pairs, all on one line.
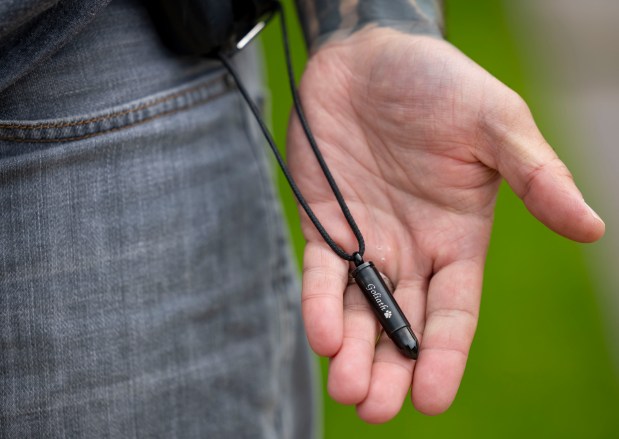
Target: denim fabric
{"points": [[146, 289], [32, 30], [116, 59]]}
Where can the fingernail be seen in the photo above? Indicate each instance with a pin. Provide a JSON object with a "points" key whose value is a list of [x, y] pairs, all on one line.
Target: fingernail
{"points": [[594, 213]]}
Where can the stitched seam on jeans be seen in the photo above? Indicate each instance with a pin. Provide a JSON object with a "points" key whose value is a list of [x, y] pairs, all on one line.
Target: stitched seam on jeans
{"points": [[111, 130], [140, 107]]}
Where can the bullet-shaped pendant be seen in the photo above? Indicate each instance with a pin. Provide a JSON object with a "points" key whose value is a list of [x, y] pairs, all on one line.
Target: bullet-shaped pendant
{"points": [[386, 309]]}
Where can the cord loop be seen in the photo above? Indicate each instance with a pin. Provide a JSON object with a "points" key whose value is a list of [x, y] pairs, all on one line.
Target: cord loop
{"points": [[354, 257]]}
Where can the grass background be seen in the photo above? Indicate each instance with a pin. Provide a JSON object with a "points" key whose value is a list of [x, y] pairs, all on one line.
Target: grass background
{"points": [[539, 365]]}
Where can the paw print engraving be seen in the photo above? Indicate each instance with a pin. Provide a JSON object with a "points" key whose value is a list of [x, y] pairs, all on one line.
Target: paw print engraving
{"points": [[388, 314]]}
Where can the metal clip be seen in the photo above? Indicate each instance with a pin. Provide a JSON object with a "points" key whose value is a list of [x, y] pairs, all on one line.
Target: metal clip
{"points": [[254, 31]]}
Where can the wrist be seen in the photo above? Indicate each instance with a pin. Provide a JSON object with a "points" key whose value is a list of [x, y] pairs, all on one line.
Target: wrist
{"points": [[331, 20]]}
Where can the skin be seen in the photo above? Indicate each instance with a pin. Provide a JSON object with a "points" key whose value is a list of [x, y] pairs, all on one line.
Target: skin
{"points": [[418, 138]]}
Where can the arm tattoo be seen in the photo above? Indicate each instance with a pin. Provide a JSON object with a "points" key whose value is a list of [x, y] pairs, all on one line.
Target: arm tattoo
{"points": [[323, 19]]}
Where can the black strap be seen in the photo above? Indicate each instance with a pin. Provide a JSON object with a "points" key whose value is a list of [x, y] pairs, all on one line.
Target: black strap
{"points": [[312, 141]]}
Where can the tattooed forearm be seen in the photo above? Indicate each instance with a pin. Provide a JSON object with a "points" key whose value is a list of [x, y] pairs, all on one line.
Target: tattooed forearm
{"points": [[324, 19]]}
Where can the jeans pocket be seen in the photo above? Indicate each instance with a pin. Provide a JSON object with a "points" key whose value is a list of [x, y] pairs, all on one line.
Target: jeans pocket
{"points": [[142, 111]]}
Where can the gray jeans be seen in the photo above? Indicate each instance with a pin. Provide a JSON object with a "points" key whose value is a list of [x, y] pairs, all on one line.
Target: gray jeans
{"points": [[146, 288]]}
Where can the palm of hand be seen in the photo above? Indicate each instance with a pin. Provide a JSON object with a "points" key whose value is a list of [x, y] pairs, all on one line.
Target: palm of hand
{"points": [[415, 135]]}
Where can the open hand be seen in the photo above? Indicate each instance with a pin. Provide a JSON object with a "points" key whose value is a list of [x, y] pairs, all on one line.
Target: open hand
{"points": [[418, 137]]}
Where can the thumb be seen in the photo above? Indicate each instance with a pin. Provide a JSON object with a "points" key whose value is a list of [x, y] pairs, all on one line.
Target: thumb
{"points": [[513, 145]]}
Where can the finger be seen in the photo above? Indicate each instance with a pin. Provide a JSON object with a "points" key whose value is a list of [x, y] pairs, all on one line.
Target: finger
{"points": [[451, 318], [325, 276], [391, 371], [535, 173], [350, 368]]}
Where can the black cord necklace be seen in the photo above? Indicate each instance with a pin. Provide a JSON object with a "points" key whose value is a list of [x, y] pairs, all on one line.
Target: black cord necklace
{"points": [[365, 274]]}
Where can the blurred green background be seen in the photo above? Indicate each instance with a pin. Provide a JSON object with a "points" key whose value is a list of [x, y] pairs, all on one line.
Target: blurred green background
{"points": [[539, 365]]}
